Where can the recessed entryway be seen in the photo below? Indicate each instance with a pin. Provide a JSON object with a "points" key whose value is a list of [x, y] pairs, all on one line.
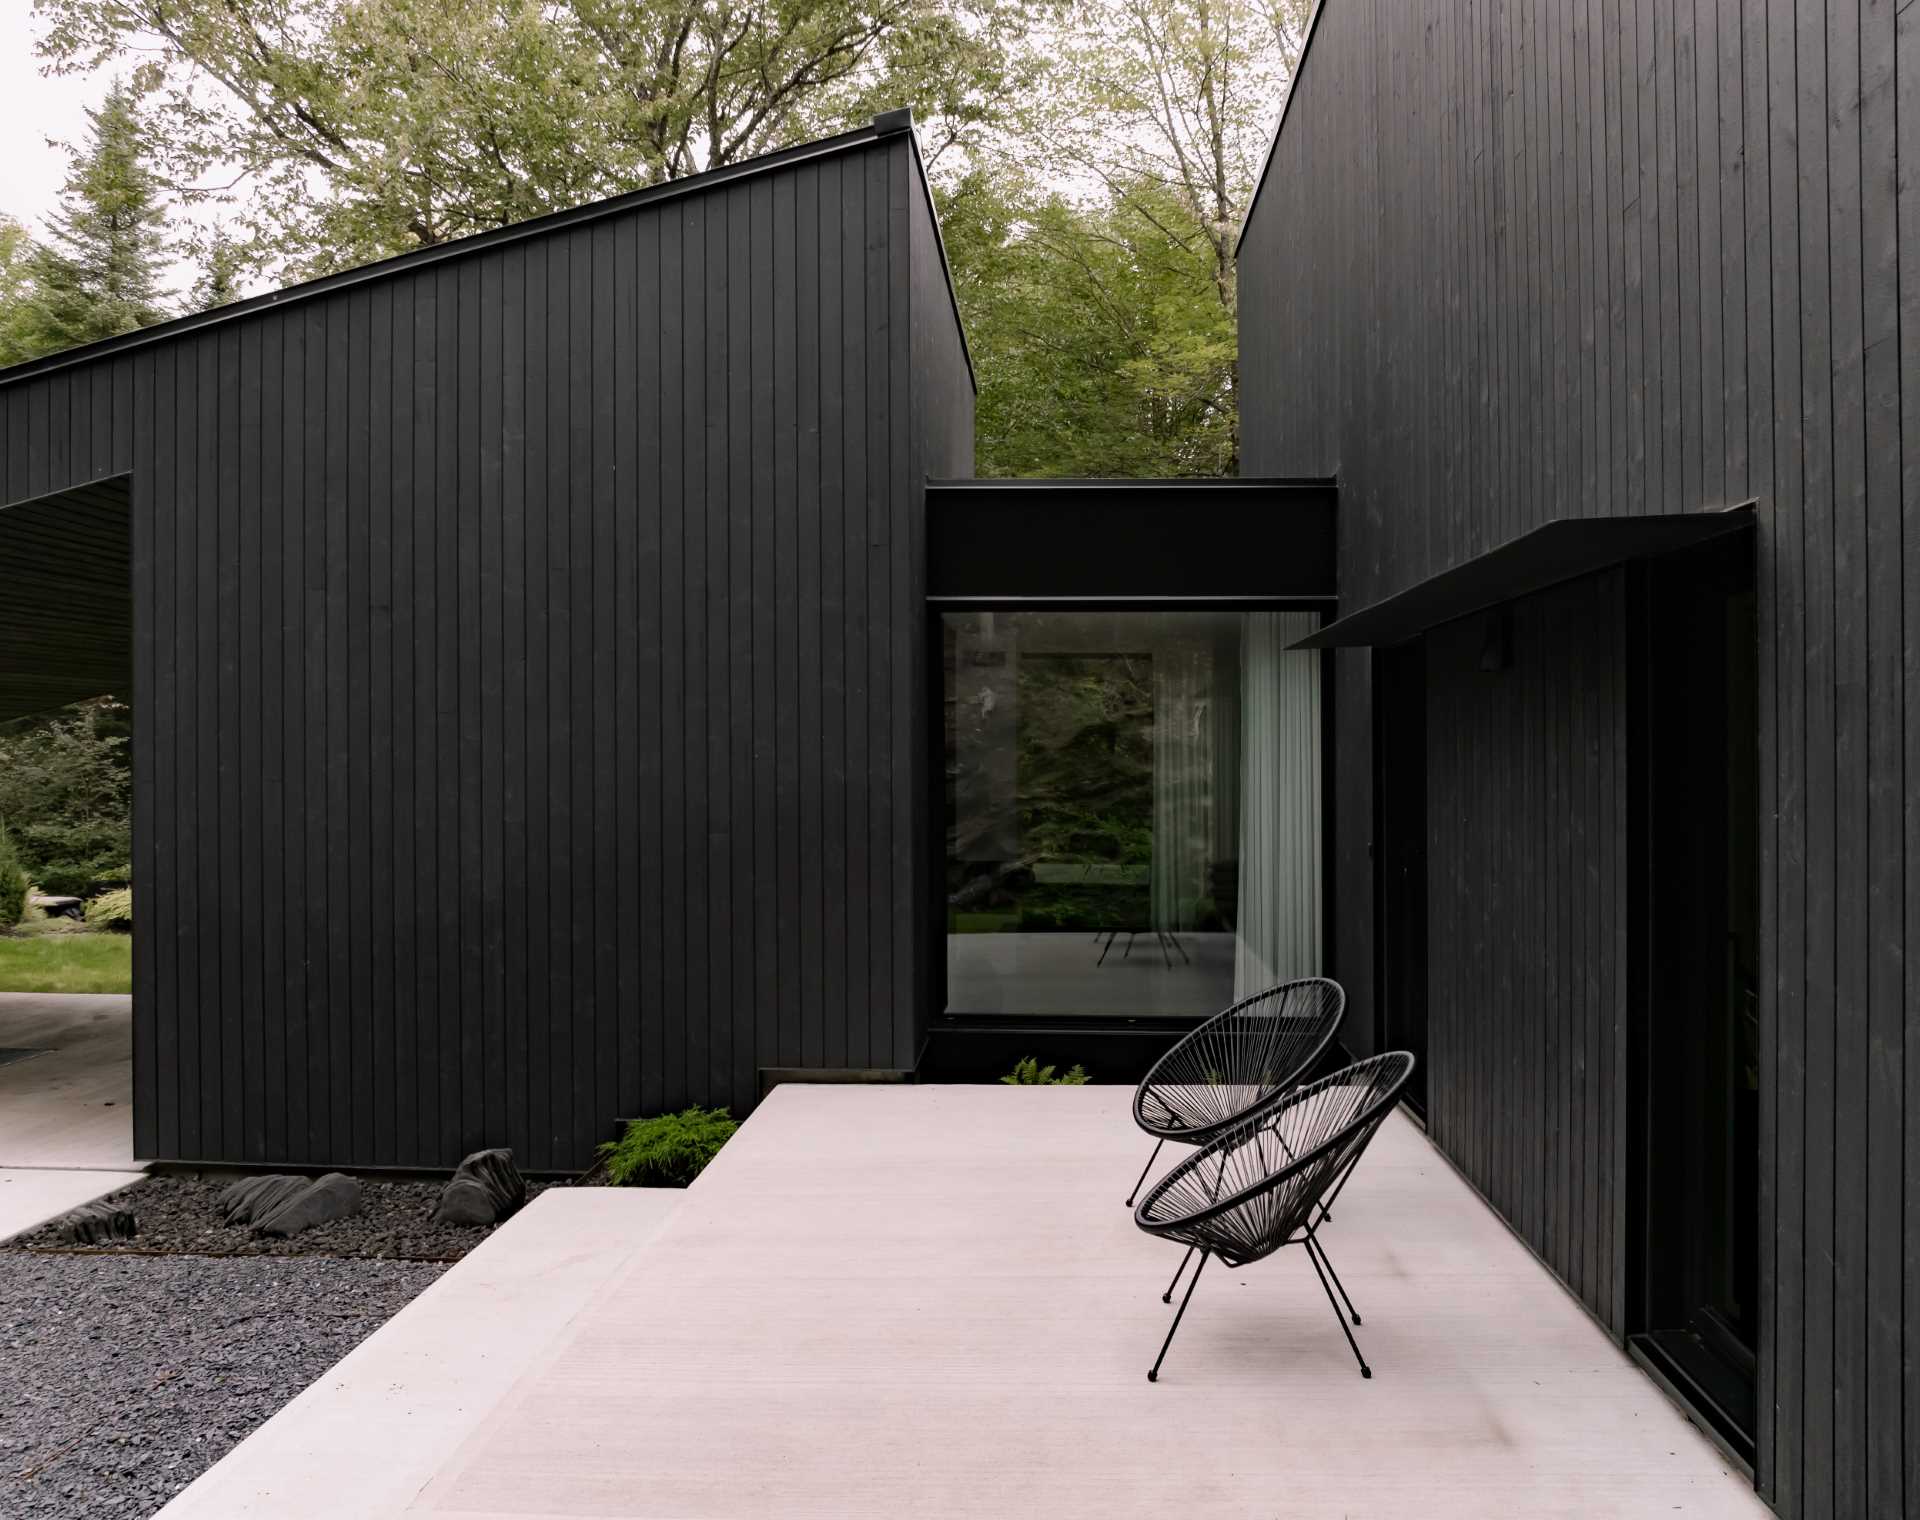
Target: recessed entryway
{"points": [[1694, 1272]]}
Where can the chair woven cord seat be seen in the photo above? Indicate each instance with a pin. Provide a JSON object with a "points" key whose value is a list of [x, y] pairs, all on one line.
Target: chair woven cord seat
{"points": [[1239, 1061]]}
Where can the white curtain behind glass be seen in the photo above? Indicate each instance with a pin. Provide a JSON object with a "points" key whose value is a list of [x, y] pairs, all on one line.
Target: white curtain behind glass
{"points": [[1182, 784], [1279, 910]]}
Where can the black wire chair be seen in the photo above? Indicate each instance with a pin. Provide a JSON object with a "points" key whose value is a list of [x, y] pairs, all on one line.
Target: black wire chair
{"points": [[1253, 1189], [1236, 1064]]}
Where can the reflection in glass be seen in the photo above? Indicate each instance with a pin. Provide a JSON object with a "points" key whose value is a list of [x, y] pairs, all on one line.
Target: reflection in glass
{"points": [[1133, 810]]}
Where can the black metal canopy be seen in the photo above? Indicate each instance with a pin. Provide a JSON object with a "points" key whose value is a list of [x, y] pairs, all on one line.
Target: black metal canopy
{"points": [[1147, 540], [1554, 552]]}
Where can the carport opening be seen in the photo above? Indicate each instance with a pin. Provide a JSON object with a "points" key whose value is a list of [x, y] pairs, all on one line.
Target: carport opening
{"points": [[66, 643]]}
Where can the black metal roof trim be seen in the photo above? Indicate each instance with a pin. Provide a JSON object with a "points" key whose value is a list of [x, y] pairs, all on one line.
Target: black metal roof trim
{"points": [[886, 124], [1266, 542], [1124, 601], [1137, 483], [1558, 551], [1266, 159]]}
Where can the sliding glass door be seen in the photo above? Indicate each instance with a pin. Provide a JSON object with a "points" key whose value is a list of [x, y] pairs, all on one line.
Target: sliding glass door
{"points": [[1133, 810]]}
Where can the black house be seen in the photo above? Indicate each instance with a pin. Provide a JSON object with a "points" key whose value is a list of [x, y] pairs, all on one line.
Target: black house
{"points": [[1605, 316], [526, 650], [574, 676], [537, 647]]}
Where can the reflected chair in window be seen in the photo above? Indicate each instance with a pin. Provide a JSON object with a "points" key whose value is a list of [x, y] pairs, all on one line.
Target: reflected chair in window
{"points": [[1236, 1064], [1255, 1187]]}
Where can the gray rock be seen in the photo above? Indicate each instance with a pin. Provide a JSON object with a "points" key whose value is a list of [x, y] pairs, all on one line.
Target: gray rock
{"points": [[253, 1198], [487, 1189], [334, 1196], [94, 1222]]}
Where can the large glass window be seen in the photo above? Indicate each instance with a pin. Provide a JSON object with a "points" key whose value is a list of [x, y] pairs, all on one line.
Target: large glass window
{"points": [[1133, 810]]}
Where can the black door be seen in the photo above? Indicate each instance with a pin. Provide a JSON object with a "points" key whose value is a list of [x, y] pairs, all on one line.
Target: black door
{"points": [[1400, 855], [1696, 1301]]}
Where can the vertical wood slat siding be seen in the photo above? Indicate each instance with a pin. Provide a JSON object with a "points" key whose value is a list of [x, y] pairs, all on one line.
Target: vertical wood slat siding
{"points": [[526, 666], [1527, 953], [1698, 213]]}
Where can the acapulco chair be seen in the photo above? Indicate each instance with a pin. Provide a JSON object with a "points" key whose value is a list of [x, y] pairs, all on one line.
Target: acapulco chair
{"points": [[1253, 1189], [1236, 1064]]}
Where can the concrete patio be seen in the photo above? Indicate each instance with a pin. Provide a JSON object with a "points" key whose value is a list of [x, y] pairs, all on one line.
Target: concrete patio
{"points": [[929, 1301]]}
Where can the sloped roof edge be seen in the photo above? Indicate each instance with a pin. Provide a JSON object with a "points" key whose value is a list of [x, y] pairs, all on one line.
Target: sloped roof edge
{"points": [[1266, 159], [884, 125]]}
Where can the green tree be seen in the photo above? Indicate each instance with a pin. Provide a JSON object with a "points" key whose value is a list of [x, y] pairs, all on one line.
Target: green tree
{"points": [[1098, 278], [66, 795], [13, 883], [221, 269], [361, 128], [1100, 342], [98, 271], [16, 253]]}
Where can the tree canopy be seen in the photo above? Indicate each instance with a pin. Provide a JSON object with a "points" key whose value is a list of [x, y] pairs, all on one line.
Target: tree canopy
{"points": [[1092, 160], [346, 130], [97, 272]]}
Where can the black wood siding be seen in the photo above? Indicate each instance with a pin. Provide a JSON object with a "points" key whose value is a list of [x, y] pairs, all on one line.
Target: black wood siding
{"points": [[1527, 953], [524, 647], [1521, 260]]}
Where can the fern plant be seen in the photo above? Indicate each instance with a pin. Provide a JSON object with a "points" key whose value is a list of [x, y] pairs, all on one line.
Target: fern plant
{"points": [[668, 1150], [1030, 1073]]}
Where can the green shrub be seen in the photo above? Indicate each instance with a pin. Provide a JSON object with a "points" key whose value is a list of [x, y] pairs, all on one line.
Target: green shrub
{"points": [[112, 912], [66, 791], [1030, 1073], [13, 883], [668, 1150]]}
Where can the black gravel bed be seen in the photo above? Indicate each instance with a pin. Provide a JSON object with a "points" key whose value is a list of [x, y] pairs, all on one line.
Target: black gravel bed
{"points": [[178, 1216], [122, 1379]]}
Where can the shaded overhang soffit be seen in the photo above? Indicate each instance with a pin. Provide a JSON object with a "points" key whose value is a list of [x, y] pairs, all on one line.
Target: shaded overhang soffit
{"points": [[1554, 552], [66, 599]]}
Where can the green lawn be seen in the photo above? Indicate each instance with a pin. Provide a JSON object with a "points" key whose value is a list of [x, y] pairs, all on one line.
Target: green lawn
{"points": [[66, 963]]}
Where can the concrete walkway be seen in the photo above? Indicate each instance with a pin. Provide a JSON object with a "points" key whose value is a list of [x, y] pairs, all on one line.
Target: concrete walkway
{"points": [[366, 1438], [929, 1301], [66, 1112]]}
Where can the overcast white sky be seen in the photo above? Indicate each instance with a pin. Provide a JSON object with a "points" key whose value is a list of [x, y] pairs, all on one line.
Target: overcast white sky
{"points": [[32, 109]]}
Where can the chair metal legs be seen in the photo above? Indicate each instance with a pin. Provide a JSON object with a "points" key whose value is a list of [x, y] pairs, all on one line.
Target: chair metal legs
{"points": [[1167, 1297], [1322, 1269], [1313, 1255], [1144, 1170], [1328, 1260], [1153, 1375]]}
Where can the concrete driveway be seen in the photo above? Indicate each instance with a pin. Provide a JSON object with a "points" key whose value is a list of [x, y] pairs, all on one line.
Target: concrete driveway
{"points": [[66, 1110]]}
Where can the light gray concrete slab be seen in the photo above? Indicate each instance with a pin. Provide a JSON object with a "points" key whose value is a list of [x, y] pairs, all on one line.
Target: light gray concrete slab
{"points": [[364, 1439], [929, 1301], [70, 1106], [32, 1195], [1078, 974]]}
